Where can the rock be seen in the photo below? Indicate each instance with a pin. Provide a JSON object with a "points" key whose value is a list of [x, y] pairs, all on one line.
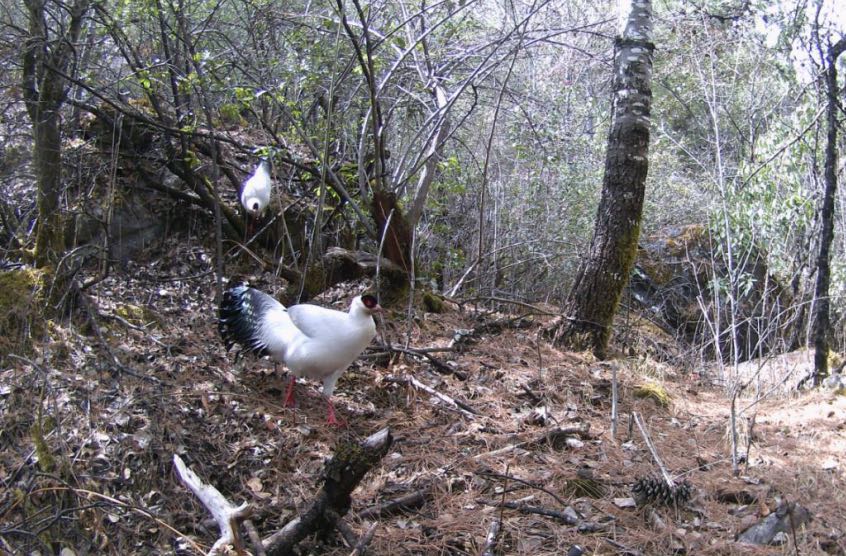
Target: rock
{"points": [[788, 516]]}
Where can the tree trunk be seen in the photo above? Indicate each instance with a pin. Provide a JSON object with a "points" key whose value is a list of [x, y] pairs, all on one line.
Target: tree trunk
{"points": [[46, 59], [593, 300], [47, 159], [393, 228], [823, 305]]}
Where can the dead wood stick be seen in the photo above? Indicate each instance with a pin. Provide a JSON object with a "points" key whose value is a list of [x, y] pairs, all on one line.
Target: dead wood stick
{"points": [[614, 394], [551, 437], [227, 516], [255, 539], [457, 405], [530, 509], [406, 502], [438, 365], [344, 528], [489, 549], [529, 484], [341, 475], [364, 540], [664, 473]]}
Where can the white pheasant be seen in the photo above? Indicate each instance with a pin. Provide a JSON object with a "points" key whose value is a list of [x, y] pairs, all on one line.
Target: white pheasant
{"points": [[312, 341], [255, 194]]}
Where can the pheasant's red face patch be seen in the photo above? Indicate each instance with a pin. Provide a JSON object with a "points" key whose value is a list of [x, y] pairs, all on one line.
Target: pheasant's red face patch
{"points": [[369, 301]]}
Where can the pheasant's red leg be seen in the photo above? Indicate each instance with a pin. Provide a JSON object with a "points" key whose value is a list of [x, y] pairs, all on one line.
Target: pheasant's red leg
{"points": [[331, 418], [290, 400]]}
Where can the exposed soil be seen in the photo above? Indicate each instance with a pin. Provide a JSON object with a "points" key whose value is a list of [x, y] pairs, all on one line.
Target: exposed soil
{"points": [[103, 483]]}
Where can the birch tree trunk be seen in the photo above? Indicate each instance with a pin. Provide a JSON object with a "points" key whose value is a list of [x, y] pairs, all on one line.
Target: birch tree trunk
{"points": [[595, 295]]}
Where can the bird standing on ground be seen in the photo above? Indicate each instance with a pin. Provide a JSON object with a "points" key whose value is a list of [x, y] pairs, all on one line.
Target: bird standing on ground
{"points": [[255, 194], [311, 341]]}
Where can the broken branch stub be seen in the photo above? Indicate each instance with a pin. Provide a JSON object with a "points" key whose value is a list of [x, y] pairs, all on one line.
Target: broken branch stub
{"points": [[341, 475]]}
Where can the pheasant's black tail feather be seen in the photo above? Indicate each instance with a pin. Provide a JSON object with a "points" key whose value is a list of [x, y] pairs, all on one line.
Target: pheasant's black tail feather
{"points": [[238, 318]]}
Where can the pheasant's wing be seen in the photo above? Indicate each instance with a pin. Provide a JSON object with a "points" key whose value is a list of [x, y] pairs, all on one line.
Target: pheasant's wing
{"points": [[314, 321]]}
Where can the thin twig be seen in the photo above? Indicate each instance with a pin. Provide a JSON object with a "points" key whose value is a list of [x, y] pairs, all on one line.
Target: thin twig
{"points": [[439, 366], [529, 509], [364, 540], [664, 473], [552, 436], [452, 403]]}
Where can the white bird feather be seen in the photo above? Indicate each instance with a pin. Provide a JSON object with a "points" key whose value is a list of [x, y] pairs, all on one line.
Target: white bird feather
{"points": [[313, 342], [255, 194]]}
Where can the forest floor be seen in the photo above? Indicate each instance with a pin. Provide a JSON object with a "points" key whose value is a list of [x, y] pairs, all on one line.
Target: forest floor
{"points": [[86, 446]]}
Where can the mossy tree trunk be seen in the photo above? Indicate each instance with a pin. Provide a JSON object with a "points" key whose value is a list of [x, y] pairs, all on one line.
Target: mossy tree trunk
{"points": [[47, 55], [822, 318], [593, 300]]}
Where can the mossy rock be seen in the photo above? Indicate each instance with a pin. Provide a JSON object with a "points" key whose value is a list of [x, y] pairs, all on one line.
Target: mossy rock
{"points": [[432, 303], [654, 392], [21, 310]]}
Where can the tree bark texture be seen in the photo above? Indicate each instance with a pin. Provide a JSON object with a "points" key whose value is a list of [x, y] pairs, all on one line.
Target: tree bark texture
{"points": [[595, 295], [822, 316], [392, 224], [45, 62]]}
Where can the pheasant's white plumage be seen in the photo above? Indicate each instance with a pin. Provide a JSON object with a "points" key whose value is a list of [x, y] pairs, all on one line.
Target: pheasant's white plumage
{"points": [[312, 341], [255, 195]]}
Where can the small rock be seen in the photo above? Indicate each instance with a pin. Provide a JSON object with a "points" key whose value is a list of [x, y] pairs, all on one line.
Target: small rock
{"points": [[625, 502], [780, 538], [574, 443], [571, 514]]}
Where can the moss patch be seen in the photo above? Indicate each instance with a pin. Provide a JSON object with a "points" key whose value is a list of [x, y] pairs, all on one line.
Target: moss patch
{"points": [[136, 314], [432, 303], [21, 314], [654, 392]]}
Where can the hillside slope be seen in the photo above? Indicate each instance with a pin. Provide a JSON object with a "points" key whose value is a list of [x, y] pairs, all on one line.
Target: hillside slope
{"points": [[86, 446]]}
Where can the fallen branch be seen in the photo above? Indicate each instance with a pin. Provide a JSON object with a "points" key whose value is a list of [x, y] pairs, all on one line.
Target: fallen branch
{"points": [[552, 437], [566, 518], [255, 539], [341, 475], [227, 516], [406, 502], [489, 549], [457, 405], [437, 364], [364, 540]]}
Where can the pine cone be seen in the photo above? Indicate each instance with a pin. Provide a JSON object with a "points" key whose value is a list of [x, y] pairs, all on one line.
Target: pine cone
{"points": [[656, 491]]}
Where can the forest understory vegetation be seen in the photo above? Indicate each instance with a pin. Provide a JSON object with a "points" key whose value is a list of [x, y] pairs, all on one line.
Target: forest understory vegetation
{"points": [[610, 253], [87, 444]]}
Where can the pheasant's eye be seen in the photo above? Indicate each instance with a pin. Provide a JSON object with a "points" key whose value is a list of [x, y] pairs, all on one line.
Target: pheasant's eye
{"points": [[369, 301]]}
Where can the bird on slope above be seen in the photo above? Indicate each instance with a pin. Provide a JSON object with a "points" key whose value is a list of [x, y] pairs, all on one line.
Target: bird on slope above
{"points": [[312, 341], [255, 194]]}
